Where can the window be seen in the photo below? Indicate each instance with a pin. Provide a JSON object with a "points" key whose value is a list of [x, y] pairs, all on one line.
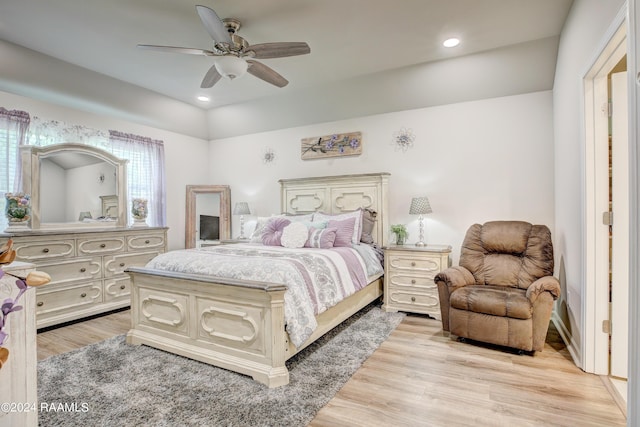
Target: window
{"points": [[13, 126]]}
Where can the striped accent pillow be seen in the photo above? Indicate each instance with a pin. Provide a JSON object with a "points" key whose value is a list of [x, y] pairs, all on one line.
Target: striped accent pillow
{"points": [[321, 238], [344, 231]]}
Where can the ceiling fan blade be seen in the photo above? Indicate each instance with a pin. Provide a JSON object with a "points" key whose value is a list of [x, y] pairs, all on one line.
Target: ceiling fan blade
{"points": [[279, 50], [265, 73], [175, 49], [210, 78], [213, 24]]}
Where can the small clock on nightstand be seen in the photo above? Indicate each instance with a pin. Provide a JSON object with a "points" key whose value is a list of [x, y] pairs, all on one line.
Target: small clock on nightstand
{"points": [[408, 278]]}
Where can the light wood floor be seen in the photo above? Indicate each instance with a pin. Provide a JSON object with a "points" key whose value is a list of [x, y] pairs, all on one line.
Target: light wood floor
{"points": [[419, 377]]}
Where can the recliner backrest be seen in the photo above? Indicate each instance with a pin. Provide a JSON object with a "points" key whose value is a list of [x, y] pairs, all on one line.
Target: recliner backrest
{"points": [[507, 253]]}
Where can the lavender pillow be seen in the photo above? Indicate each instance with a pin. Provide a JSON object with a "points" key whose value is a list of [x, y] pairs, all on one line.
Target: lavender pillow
{"points": [[344, 231], [323, 238], [273, 231]]}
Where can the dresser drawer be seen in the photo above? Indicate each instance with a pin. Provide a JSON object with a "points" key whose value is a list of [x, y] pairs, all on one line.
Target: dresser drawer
{"points": [[72, 270], [117, 288], [36, 251], [116, 264], [68, 299], [145, 242], [417, 264], [104, 245]]}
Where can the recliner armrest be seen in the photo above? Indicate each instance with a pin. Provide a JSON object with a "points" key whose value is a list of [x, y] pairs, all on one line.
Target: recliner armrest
{"points": [[449, 280], [455, 277], [544, 284]]}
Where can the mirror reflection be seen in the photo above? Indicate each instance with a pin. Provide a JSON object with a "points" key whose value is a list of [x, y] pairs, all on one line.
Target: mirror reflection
{"points": [[208, 218], [71, 186]]}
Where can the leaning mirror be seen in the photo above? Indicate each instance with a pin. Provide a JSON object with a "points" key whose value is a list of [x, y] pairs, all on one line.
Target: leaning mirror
{"points": [[208, 214], [74, 185]]}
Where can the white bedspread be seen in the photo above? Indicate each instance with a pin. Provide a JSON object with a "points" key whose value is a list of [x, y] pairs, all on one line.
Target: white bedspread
{"points": [[316, 279]]}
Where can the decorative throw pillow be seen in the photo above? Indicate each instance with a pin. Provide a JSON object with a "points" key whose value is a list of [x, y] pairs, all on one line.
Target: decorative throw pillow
{"points": [[321, 238], [256, 236], [368, 222], [344, 231], [294, 235], [273, 231], [316, 224], [356, 215]]}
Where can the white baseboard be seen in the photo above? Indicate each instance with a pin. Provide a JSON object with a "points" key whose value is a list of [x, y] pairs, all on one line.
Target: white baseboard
{"points": [[568, 340]]}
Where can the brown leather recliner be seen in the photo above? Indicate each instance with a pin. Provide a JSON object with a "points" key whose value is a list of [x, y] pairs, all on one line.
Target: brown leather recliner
{"points": [[503, 290]]}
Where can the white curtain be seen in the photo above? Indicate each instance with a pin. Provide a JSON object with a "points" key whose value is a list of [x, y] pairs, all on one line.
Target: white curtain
{"points": [[145, 172], [13, 131]]}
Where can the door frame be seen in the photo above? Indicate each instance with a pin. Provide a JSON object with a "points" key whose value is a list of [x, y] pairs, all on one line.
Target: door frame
{"points": [[595, 351]]}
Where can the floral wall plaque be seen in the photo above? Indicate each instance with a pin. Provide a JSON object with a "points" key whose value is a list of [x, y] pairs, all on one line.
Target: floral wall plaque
{"points": [[336, 145]]}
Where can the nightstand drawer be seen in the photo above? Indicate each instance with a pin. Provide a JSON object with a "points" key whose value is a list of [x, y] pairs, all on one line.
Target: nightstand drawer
{"points": [[415, 264], [415, 301], [413, 281]]}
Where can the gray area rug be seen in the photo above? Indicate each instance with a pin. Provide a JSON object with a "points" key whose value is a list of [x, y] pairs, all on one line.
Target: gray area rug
{"points": [[114, 384]]}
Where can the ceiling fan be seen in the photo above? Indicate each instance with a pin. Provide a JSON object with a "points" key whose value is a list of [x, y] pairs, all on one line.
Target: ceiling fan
{"points": [[233, 54]]}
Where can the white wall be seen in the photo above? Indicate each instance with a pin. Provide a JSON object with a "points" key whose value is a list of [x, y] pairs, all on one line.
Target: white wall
{"points": [[476, 161], [186, 157], [84, 189], [585, 26], [53, 198]]}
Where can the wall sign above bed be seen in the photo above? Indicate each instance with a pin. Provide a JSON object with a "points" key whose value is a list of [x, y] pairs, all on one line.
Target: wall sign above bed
{"points": [[336, 145]]}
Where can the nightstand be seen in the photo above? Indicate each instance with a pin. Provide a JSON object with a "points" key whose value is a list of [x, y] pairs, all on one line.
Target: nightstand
{"points": [[408, 278]]}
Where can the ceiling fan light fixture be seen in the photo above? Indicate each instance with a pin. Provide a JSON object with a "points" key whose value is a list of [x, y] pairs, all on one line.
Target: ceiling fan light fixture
{"points": [[231, 66]]}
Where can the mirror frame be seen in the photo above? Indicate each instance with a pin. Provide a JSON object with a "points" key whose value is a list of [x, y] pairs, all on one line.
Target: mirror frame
{"points": [[225, 211], [31, 156]]}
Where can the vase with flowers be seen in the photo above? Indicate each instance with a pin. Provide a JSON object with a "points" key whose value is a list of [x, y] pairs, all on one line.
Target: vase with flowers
{"points": [[10, 305], [139, 212], [17, 210]]}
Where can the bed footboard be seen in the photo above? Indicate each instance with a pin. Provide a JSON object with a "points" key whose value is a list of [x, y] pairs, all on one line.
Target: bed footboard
{"points": [[227, 323]]}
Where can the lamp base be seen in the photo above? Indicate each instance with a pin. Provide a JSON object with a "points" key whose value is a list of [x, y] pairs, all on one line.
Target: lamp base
{"points": [[421, 244]]}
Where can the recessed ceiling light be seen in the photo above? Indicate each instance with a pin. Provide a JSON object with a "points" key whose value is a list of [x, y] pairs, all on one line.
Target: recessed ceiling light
{"points": [[203, 98], [452, 42]]}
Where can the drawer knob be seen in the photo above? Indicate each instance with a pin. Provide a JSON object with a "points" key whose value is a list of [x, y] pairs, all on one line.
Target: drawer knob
{"points": [[413, 264], [45, 250], [413, 299], [82, 270], [82, 295], [413, 281], [122, 264], [122, 287], [40, 304], [146, 241], [102, 245]]}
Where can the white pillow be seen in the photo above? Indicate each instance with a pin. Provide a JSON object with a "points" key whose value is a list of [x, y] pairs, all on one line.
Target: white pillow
{"points": [[297, 218], [357, 229], [294, 235]]}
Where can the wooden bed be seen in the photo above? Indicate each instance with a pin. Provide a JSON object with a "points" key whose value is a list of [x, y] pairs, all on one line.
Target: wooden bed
{"points": [[239, 325]]}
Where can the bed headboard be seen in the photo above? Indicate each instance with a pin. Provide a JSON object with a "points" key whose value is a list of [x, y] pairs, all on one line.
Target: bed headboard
{"points": [[336, 194]]}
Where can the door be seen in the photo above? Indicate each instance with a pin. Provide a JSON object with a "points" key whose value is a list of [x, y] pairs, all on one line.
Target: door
{"points": [[620, 226]]}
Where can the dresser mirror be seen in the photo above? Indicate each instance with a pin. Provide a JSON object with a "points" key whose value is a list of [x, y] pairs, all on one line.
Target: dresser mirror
{"points": [[74, 185], [208, 214]]}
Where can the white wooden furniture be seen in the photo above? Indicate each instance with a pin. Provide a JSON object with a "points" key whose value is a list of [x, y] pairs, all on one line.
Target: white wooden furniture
{"points": [[239, 325], [408, 282], [18, 380], [86, 268]]}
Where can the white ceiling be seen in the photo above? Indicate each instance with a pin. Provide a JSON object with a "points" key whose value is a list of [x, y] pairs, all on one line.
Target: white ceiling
{"points": [[348, 38]]}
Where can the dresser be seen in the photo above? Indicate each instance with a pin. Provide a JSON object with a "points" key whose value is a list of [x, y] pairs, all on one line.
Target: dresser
{"points": [[86, 268], [408, 278]]}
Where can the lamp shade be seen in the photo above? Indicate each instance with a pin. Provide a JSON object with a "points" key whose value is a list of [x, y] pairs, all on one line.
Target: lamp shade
{"points": [[241, 208], [231, 66], [420, 206]]}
